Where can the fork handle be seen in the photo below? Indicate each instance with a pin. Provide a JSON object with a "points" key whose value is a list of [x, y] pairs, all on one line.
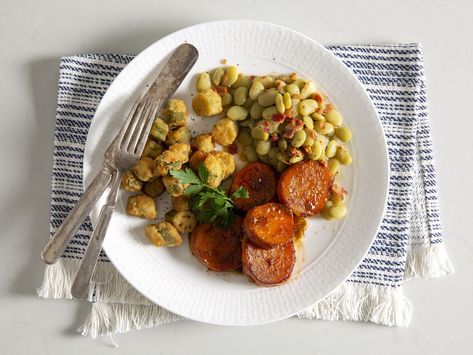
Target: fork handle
{"points": [[59, 241], [87, 266]]}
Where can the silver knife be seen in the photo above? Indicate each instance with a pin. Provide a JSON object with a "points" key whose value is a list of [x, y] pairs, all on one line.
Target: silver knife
{"points": [[163, 87]]}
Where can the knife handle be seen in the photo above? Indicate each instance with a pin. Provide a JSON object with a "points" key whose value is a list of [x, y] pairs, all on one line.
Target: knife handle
{"points": [[59, 241]]}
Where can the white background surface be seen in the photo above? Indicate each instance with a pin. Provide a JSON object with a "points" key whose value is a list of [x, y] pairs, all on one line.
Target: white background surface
{"points": [[35, 34]]}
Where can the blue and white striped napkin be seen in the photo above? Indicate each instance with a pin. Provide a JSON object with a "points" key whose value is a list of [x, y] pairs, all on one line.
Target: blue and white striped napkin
{"points": [[408, 244]]}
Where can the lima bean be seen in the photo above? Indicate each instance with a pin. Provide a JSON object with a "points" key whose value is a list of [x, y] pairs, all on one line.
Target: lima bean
{"points": [[282, 145], [325, 211], [308, 107], [325, 128], [227, 99], [232, 75], [334, 117], [343, 156], [287, 101], [337, 212], [242, 81], [310, 137], [244, 138], [279, 101], [250, 154], [298, 139], [296, 159], [259, 133], [334, 166], [343, 133], [318, 117], [248, 103], [331, 149], [262, 147], [237, 113], [308, 89], [268, 112], [267, 81], [240, 95], [217, 76], [255, 90], [293, 90], [267, 97], [256, 110], [309, 123], [317, 150], [203, 82]]}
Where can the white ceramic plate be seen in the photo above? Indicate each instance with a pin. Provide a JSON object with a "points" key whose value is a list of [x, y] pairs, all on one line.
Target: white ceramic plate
{"points": [[172, 277]]}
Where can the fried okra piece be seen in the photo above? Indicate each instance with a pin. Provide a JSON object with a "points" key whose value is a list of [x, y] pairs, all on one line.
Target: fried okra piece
{"points": [[203, 142], [179, 135], [207, 103], [212, 163], [130, 182], [227, 163], [181, 203], [197, 158], [176, 113], [142, 206], [166, 161], [154, 188], [183, 221], [163, 234], [182, 151], [173, 187], [225, 131], [152, 149], [159, 130], [143, 169]]}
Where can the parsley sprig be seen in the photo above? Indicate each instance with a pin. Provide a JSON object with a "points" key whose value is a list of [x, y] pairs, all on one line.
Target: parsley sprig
{"points": [[211, 203]]}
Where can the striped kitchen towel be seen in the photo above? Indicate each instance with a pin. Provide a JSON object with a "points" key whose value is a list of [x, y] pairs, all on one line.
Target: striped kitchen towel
{"points": [[409, 241]]}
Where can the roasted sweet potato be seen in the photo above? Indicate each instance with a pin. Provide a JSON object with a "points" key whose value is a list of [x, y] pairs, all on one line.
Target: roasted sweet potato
{"points": [[269, 225], [268, 267], [259, 180], [217, 248], [304, 187]]}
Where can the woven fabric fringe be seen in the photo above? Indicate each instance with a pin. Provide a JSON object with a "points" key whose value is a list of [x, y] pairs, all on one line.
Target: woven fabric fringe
{"points": [[119, 308], [111, 318], [428, 262], [363, 302]]}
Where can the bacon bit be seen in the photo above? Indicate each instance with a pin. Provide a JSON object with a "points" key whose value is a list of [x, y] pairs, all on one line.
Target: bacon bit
{"points": [[293, 76], [318, 97], [279, 84], [328, 107], [279, 117], [274, 137], [292, 127], [221, 90], [311, 133], [232, 148], [294, 152], [224, 61], [224, 79]]}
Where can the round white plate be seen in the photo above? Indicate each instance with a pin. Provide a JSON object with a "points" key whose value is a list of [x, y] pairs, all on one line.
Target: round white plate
{"points": [[172, 277]]}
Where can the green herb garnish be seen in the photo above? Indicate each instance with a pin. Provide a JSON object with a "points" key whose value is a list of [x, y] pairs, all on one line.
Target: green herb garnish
{"points": [[211, 203]]}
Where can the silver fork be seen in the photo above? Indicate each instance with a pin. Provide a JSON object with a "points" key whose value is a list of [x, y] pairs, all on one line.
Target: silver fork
{"points": [[166, 83], [120, 157], [126, 149]]}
